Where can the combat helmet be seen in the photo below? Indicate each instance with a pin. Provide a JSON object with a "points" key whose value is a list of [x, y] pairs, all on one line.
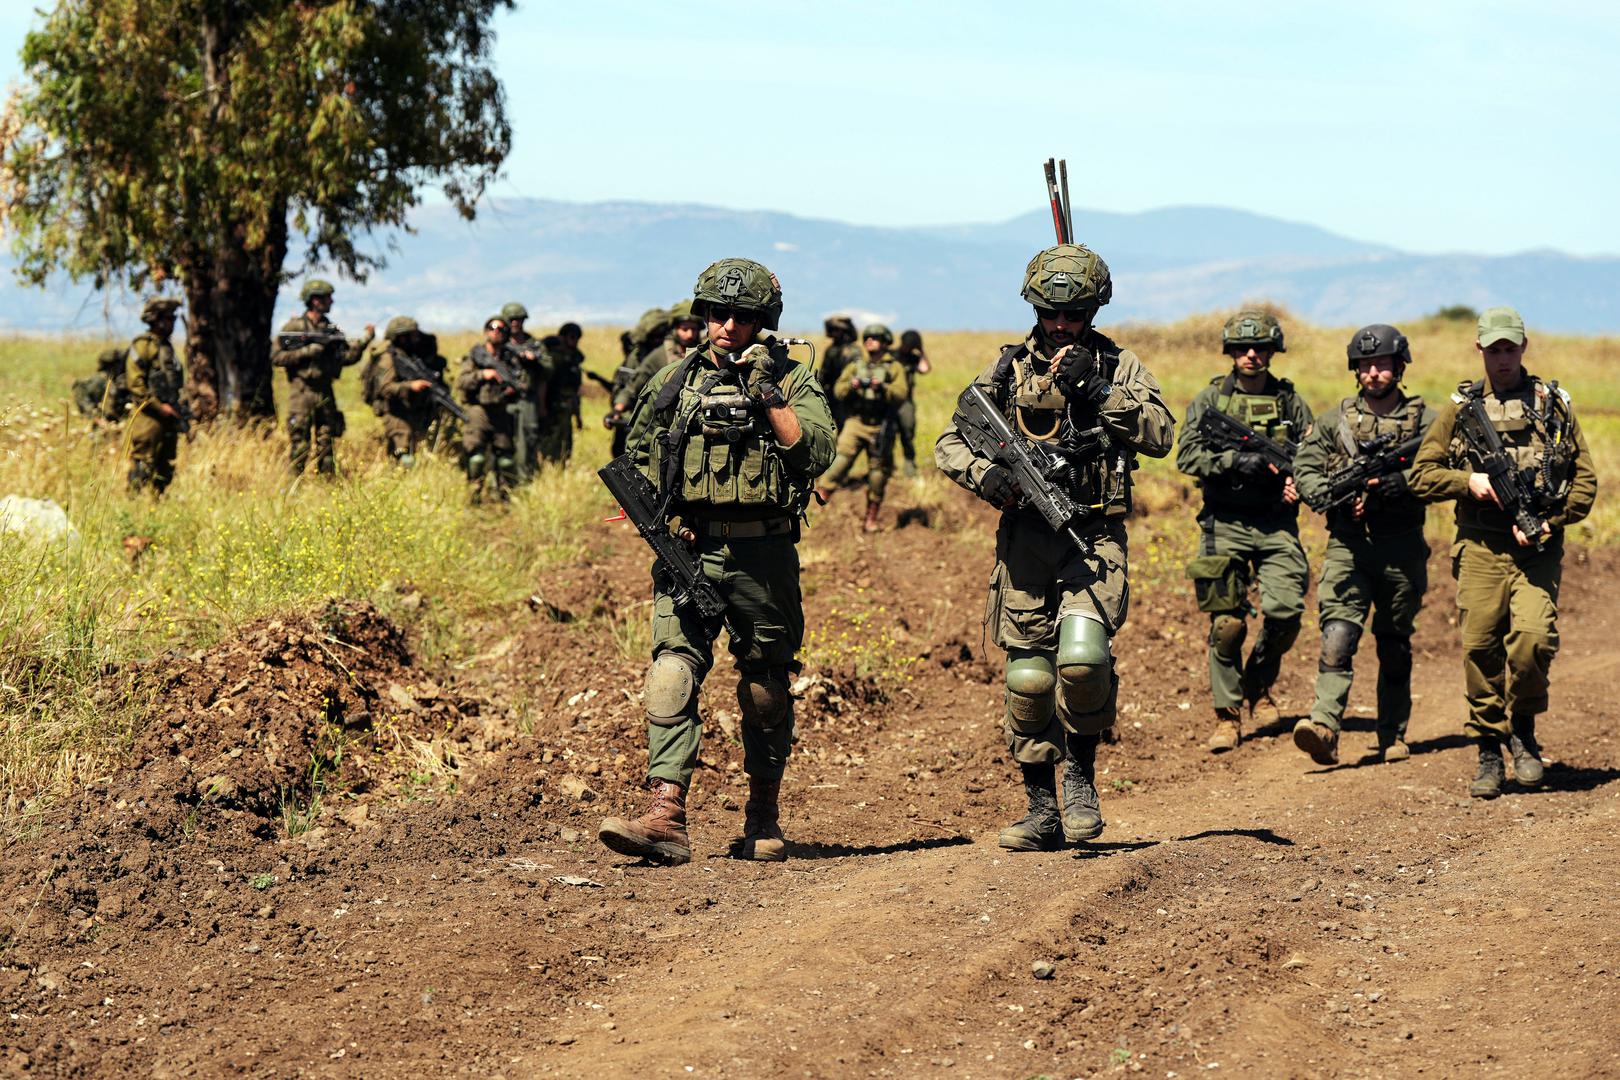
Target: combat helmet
{"points": [[739, 283], [879, 331], [838, 325], [315, 287], [681, 311], [158, 307], [1252, 329], [514, 310], [1379, 339], [1068, 277], [398, 325]]}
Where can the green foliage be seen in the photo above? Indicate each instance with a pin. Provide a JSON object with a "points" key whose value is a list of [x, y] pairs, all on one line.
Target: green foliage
{"points": [[1457, 313]]}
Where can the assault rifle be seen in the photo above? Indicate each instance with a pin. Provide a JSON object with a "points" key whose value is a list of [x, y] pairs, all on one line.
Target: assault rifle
{"points": [[408, 367], [1381, 457], [600, 380], [297, 339], [1037, 469], [1227, 433], [680, 569], [1517, 492], [510, 376]]}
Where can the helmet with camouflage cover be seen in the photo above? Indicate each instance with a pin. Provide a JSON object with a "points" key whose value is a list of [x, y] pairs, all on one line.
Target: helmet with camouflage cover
{"points": [[1068, 277], [1379, 339], [879, 331], [158, 307], [514, 310], [834, 325], [315, 287], [400, 324], [739, 283], [681, 312], [1252, 329]]}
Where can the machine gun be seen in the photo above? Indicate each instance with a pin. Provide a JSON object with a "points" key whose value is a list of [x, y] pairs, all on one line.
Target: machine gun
{"points": [[680, 569], [1381, 457], [1226, 433], [1037, 469], [1517, 492], [408, 367]]}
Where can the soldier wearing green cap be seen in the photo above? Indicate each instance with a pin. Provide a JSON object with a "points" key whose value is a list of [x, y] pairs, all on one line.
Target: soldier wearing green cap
{"points": [[733, 436], [1249, 525], [566, 364], [1055, 605], [488, 438], [154, 377], [314, 352], [1377, 559], [405, 405], [870, 391], [1507, 582]]}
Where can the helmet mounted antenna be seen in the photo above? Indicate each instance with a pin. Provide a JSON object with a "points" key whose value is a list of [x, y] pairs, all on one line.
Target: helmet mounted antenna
{"points": [[1060, 224], [1068, 211]]}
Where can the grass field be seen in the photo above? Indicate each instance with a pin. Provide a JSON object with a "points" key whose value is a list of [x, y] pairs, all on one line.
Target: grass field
{"points": [[233, 539]]}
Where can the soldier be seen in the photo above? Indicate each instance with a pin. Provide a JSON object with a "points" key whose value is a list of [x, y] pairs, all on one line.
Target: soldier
{"points": [[489, 385], [104, 396], [157, 417], [843, 347], [314, 353], [1377, 558], [637, 342], [870, 389], [1250, 523], [1054, 605], [1507, 582], [566, 364], [915, 361], [529, 410], [734, 435], [685, 334], [405, 405]]}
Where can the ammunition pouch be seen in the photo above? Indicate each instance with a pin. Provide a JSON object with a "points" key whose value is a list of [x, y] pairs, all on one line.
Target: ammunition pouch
{"points": [[1220, 583]]}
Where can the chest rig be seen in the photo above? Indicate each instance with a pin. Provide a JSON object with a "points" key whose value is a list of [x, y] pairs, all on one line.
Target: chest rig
{"points": [[1534, 421], [1265, 412], [1359, 428], [163, 377], [871, 401]]}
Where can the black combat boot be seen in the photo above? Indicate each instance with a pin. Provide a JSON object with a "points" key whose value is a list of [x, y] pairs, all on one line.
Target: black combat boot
{"points": [[1082, 810], [1527, 767], [1488, 781], [1041, 829]]}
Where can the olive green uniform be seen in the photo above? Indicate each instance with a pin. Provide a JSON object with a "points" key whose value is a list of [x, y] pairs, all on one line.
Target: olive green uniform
{"points": [[105, 395], [313, 416], [839, 355], [1247, 532], [906, 415], [1508, 594], [667, 353], [1041, 578], [869, 421], [488, 438], [529, 409], [154, 377], [565, 364], [406, 414], [742, 497], [1378, 564]]}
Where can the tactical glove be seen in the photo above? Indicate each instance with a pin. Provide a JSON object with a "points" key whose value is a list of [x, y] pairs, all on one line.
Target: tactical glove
{"points": [[1393, 486], [1078, 376], [760, 382], [1250, 465], [998, 487]]}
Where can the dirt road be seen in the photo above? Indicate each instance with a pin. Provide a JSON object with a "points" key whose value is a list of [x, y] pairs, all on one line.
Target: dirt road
{"points": [[1250, 914]]}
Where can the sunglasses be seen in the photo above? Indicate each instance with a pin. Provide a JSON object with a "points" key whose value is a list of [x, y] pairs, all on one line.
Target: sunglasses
{"points": [[1067, 316], [740, 316], [499, 329]]}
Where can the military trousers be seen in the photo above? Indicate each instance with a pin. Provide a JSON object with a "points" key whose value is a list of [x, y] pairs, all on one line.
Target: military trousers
{"points": [[1269, 548], [488, 443], [526, 434], [764, 616], [862, 437], [402, 433], [1507, 596], [1387, 577], [314, 423], [906, 428], [557, 433], [153, 443]]}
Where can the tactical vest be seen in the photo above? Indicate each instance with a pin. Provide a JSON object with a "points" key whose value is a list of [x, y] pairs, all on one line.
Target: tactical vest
{"points": [[1534, 421], [1266, 413], [870, 403], [1357, 427], [320, 371], [490, 393], [155, 356], [718, 456]]}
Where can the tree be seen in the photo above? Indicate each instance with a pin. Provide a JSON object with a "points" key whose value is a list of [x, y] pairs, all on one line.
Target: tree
{"points": [[190, 140]]}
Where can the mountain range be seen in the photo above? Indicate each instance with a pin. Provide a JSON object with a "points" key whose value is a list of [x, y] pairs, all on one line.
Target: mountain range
{"points": [[605, 262]]}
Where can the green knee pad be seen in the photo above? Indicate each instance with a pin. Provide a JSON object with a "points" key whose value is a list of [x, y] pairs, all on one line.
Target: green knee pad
{"points": [[476, 463], [1226, 634], [1085, 664], [671, 694], [1031, 691]]}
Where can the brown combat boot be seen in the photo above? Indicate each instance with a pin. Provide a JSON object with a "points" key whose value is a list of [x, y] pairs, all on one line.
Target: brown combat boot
{"points": [[762, 834], [871, 523], [659, 835], [1263, 710], [1318, 740], [1228, 731]]}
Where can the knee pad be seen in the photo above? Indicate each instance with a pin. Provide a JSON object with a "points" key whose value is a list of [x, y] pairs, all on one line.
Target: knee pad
{"points": [[1226, 634], [476, 464], [1339, 640], [1394, 655], [505, 464], [763, 699], [405, 461], [1085, 663], [671, 689], [1031, 691], [1277, 636]]}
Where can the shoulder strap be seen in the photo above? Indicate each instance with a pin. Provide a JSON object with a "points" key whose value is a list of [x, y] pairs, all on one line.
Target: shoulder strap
{"points": [[1223, 397], [1002, 372], [671, 390]]}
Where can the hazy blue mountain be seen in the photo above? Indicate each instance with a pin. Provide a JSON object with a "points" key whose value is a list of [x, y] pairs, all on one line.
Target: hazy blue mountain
{"points": [[606, 262]]}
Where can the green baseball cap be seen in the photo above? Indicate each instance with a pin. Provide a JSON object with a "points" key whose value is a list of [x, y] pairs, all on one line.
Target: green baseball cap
{"points": [[1501, 324]]}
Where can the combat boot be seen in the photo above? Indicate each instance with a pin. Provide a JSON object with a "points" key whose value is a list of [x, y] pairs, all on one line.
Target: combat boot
{"points": [[1392, 748], [1263, 710], [871, 523], [1228, 732], [659, 835], [1318, 740], [762, 834], [1041, 829], [1488, 781], [1082, 810], [1527, 767]]}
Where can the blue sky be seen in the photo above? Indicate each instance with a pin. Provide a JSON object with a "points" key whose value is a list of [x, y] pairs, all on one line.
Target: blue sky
{"points": [[1430, 126]]}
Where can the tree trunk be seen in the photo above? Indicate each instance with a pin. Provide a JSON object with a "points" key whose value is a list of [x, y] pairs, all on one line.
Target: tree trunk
{"points": [[231, 292]]}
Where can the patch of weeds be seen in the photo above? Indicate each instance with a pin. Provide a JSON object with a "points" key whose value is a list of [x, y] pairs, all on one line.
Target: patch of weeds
{"points": [[1121, 784], [1118, 1056], [298, 814], [261, 882]]}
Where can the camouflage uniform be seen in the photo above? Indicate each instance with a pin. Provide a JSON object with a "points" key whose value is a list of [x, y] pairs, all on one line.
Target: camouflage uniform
{"points": [[154, 377], [1053, 605], [406, 414], [566, 363], [105, 395], [870, 389], [488, 438], [313, 416], [701, 432], [843, 349], [642, 339], [1248, 531], [1507, 593]]}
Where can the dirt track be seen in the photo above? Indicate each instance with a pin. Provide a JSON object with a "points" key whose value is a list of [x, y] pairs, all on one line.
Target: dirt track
{"points": [[1251, 914]]}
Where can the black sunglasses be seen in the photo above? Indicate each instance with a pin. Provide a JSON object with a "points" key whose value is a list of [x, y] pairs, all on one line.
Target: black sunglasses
{"points": [[1054, 315], [734, 315]]}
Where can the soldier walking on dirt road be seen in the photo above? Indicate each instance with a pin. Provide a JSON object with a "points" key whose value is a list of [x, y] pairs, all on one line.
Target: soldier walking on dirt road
{"points": [[1377, 559], [1514, 501], [1058, 597], [733, 437], [1250, 525], [870, 390]]}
